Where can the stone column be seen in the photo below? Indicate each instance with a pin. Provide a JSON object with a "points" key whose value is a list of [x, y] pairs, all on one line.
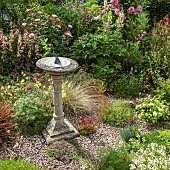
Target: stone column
{"points": [[58, 127], [58, 114]]}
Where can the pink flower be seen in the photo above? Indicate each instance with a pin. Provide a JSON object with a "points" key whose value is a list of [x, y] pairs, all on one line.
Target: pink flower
{"points": [[123, 43], [102, 12], [114, 1], [131, 9], [15, 93], [120, 26], [109, 5], [31, 35], [24, 24], [139, 9], [68, 34], [140, 38], [144, 33], [58, 26], [117, 11], [106, 25]]}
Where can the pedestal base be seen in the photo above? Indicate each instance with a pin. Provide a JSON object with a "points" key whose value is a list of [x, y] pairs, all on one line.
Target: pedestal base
{"points": [[65, 131]]}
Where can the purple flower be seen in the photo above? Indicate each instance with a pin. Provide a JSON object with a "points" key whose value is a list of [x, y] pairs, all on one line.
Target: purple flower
{"points": [[117, 11], [109, 5], [14, 92], [132, 10], [144, 33], [21, 64], [139, 9], [115, 2], [102, 12], [140, 38]]}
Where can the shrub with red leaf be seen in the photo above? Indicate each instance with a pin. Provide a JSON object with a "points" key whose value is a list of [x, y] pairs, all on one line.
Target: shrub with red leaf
{"points": [[6, 122], [86, 126]]}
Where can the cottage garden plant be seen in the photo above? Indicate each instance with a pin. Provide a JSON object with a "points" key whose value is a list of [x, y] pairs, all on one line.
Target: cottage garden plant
{"points": [[121, 55]]}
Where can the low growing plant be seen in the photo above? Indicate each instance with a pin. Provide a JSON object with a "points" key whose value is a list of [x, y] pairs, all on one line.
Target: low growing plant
{"points": [[153, 110], [86, 126], [130, 131], [117, 113], [111, 159], [33, 111], [19, 164], [152, 157], [64, 151], [159, 137]]}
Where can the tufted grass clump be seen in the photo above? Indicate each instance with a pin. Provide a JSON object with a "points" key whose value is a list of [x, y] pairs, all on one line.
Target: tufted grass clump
{"points": [[82, 94]]}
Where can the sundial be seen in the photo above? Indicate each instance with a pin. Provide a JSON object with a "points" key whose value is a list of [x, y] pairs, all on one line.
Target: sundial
{"points": [[58, 127]]}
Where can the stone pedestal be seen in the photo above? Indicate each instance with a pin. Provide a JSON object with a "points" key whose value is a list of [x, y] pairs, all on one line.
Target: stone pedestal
{"points": [[58, 127]]}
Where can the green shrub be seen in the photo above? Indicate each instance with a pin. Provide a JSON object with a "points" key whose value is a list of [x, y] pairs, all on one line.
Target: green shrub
{"points": [[153, 110], [117, 113], [159, 55], [113, 160], [33, 111], [152, 157], [130, 131], [128, 86], [113, 48], [163, 90], [12, 164], [157, 10]]}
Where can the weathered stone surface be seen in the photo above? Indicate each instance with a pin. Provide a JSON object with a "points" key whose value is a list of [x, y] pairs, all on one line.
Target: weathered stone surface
{"points": [[58, 127]]}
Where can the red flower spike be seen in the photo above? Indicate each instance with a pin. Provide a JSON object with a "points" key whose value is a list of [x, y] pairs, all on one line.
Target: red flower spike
{"points": [[148, 77]]}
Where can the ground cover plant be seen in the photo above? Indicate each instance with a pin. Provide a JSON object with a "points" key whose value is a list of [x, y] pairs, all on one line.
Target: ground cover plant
{"points": [[118, 113], [12, 164], [123, 48]]}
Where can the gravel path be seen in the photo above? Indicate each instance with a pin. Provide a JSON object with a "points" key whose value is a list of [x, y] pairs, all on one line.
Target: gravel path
{"points": [[34, 148]]}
